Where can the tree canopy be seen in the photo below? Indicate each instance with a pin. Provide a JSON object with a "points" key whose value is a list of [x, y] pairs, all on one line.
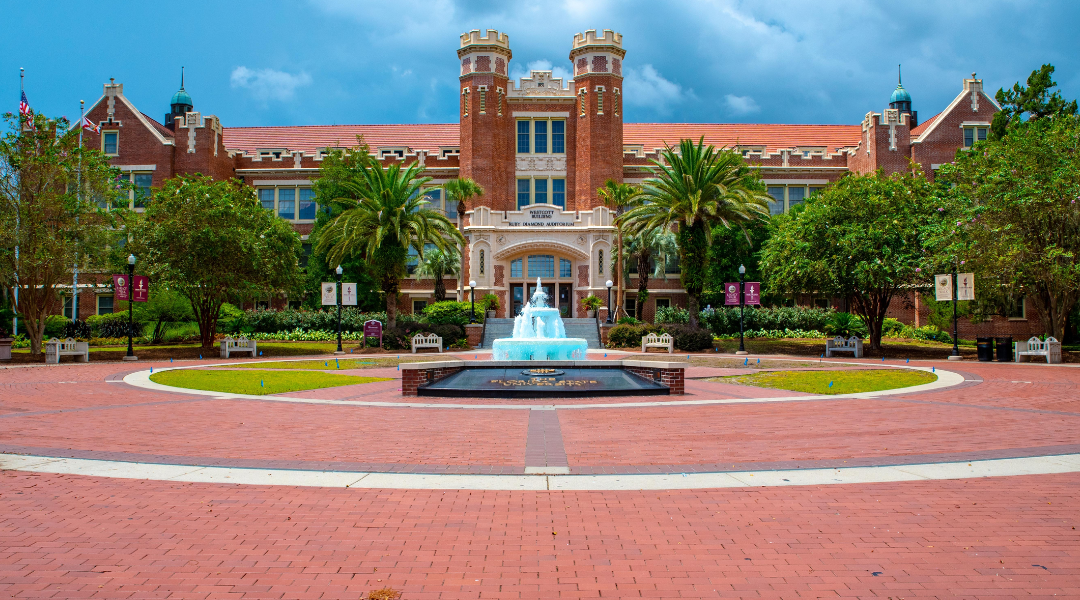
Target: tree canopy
{"points": [[212, 240], [1035, 101], [860, 239]]}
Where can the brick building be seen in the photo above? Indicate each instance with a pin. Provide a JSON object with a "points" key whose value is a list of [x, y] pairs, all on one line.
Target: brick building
{"points": [[540, 147]]}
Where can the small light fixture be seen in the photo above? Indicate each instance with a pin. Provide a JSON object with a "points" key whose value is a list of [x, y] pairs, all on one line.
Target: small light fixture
{"points": [[338, 270], [742, 269], [131, 259]]}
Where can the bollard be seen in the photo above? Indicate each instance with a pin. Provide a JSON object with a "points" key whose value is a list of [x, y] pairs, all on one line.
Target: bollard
{"points": [[151, 369], [261, 383], [830, 384]]}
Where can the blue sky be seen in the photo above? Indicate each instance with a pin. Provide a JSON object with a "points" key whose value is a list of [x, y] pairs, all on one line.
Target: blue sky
{"points": [[339, 61]]}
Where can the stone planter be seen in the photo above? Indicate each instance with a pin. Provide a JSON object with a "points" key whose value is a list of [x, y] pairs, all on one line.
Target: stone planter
{"points": [[491, 314], [5, 348], [590, 314]]}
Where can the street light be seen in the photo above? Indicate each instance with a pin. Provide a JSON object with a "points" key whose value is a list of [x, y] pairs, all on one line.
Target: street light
{"points": [[609, 284], [339, 350], [742, 307], [131, 318], [472, 295]]}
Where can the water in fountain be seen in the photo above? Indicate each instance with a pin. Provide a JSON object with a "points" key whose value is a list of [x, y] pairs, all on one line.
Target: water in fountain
{"points": [[539, 334]]}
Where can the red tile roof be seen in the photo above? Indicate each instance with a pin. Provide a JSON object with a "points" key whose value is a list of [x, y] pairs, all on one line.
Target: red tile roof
{"points": [[921, 127], [773, 137], [432, 136], [311, 137], [163, 130]]}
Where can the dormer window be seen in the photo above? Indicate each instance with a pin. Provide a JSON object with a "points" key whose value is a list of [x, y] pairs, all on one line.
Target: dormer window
{"points": [[391, 153], [448, 152]]}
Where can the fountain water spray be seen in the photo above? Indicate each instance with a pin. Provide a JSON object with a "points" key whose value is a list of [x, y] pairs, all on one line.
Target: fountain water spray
{"points": [[539, 334]]}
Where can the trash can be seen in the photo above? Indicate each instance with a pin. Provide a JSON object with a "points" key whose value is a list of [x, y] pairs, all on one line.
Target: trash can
{"points": [[985, 348], [1004, 349]]}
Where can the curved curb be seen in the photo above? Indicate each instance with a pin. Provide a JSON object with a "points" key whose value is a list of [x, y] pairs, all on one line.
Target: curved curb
{"points": [[1006, 467], [946, 379]]}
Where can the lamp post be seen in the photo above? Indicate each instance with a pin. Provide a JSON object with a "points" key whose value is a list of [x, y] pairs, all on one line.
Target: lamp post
{"points": [[608, 284], [742, 307], [131, 304], [472, 296], [338, 271], [955, 301]]}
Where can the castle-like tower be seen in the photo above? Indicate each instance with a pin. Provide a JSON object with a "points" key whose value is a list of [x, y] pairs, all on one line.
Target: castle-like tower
{"points": [[598, 79], [487, 133]]}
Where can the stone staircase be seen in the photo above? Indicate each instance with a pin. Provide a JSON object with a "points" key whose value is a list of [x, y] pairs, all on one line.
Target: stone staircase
{"points": [[575, 328]]}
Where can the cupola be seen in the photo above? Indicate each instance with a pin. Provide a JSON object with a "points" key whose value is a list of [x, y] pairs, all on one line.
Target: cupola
{"points": [[180, 104], [901, 100]]}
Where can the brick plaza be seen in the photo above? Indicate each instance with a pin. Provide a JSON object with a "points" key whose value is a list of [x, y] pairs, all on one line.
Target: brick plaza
{"points": [[66, 535]]}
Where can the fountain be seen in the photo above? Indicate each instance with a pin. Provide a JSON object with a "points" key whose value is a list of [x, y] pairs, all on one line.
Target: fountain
{"points": [[539, 334]]}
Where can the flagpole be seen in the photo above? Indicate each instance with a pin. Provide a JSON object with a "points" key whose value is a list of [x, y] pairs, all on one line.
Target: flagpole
{"points": [[15, 317], [78, 207]]}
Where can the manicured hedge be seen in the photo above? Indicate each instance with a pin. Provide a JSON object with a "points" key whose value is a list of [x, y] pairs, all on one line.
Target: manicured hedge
{"points": [[725, 320]]}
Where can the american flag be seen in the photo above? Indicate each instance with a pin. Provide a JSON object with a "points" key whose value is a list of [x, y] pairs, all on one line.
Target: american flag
{"points": [[24, 107], [88, 126]]}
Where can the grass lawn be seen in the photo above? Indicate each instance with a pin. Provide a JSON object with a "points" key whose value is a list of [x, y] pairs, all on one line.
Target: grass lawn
{"points": [[330, 364], [256, 382], [843, 382]]}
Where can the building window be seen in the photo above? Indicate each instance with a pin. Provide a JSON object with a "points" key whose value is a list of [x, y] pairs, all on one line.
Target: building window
{"points": [[287, 203], [540, 190], [110, 142], [418, 306], [1015, 309], [67, 306], [663, 303], [104, 305], [776, 207], [141, 193], [600, 269], [307, 204], [631, 306], [540, 137], [515, 267], [815, 190], [565, 268], [542, 265], [481, 262], [795, 196], [266, 198], [599, 100], [483, 99], [558, 137], [558, 193], [581, 101], [465, 102], [523, 145], [305, 253], [974, 134], [522, 193]]}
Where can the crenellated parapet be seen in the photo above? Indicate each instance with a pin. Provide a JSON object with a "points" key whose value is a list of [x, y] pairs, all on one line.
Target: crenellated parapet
{"points": [[593, 53]]}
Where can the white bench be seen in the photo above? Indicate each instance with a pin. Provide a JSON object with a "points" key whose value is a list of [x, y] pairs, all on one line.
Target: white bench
{"points": [[658, 341], [426, 341], [1051, 349], [242, 344], [839, 344], [55, 348]]}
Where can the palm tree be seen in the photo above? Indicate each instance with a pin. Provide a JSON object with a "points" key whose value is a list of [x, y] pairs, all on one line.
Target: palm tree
{"points": [[642, 248], [461, 190], [618, 196], [384, 215], [436, 264], [697, 187]]}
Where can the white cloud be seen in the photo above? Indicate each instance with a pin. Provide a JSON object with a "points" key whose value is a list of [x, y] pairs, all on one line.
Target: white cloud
{"points": [[268, 84], [517, 71], [646, 87], [741, 105]]}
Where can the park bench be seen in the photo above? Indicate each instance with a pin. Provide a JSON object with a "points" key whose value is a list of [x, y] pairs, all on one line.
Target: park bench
{"points": [[229, 345], [839, 344], [1050, 348], [658, 341], [426, 341], [55, 348]]}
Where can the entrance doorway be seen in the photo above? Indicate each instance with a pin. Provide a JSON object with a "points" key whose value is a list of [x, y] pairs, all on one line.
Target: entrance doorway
{"points": [[566, 305], [520, 293]]}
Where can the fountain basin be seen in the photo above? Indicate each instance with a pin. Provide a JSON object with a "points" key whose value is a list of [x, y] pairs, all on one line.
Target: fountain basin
{"points": [[539, 349]]}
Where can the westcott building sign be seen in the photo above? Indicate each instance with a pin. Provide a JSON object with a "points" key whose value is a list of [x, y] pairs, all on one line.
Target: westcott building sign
{"points": [[540, 147]]}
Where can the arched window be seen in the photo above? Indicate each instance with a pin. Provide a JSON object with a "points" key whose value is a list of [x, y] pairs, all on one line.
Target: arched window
{"points": [[481, 262], [600, 268]]}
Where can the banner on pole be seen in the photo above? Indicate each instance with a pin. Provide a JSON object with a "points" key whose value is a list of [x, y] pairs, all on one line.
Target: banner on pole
{"points": [[731, 294], [140, 288], [329, 294], [753, 292], [965, 287], [348, 294], [943, 288], [120, 288]]}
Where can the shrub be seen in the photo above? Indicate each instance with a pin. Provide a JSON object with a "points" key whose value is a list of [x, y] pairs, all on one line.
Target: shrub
{"points": [[725, 320], [490, 302], [926, 333], [672, 314], [451, 311], [629, 336], [628, 321], [78, 330], [54, 326], [776, 334], [591, 302], [689, 339], [845, 324], [271, 321], [891, 328], [113, 325]]}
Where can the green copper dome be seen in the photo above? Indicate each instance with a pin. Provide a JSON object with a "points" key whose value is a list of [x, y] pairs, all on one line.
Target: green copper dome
{"points": [[900, 94], [182, 97]]}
